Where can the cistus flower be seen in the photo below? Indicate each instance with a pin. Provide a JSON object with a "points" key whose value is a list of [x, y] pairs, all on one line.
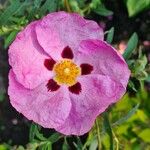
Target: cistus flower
{"points": [[63, 74]]}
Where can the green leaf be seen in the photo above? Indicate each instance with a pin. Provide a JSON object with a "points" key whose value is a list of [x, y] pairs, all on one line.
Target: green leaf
{"points": [[136, 6], [129, 114], [33, 129], [49, 5], [10, 11], [37, 3], [54, 137], [142, 75], [10, 38], [35, 133], [91, 136], [140, 64], [145, 135], [142, 115], [46, 146], [40, 136], [110, 35], [65, 144], [32, 146], [75, 7], [108, 129], [93, 144], [132, 86], [19, 148], [2, 96], [148, 78], [3, 147], [103, 11], [132, 44], [35, 9], [79, 143], [95, 3]]}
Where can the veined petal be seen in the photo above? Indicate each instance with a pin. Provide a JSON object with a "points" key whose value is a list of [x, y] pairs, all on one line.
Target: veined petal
{"points": [[27, 58], [61, 29], [97, 93], [104, 59], [49, 109]]}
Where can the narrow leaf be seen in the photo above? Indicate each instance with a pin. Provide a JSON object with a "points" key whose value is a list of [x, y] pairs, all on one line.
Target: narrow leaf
{"points": [[49, 5], [103, 11], [10, 38], [79, 143], [144, 135], [136, 6], [110, 35], [65, 144], [108, 129], [94, 144], [33, 129], [132, 44], [129, 114], [148, 78], [55, 137], [9, 11]]}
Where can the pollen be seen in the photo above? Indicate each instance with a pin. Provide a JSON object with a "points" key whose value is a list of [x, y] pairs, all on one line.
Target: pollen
{"points": [[66, 72]]}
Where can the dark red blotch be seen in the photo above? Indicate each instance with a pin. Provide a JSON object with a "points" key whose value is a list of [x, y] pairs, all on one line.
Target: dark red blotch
{"points": [[75, 89], [49, 63], [86, 69], [52, 85], [67, 53]]}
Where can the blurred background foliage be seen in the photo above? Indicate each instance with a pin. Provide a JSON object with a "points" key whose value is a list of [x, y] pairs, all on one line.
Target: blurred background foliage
{"points": [[125, 125]]}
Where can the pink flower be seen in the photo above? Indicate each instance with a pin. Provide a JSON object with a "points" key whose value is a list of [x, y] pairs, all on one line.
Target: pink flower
{"points": [[63, 75]]}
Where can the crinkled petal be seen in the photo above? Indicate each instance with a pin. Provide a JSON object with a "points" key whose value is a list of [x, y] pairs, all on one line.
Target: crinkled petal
{"points": [[26, 58], [97, 93], [61, 29], [104, 59], [49, 109]]}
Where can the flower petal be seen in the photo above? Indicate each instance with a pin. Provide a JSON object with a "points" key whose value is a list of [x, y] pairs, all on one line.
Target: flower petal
{"points": [[97, 93], [61, 29], [49, 109], [104, 59], [27, 58]]}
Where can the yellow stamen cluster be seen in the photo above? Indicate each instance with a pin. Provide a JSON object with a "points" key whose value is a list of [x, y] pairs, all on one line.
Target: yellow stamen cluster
{"points": [[66, 72]]}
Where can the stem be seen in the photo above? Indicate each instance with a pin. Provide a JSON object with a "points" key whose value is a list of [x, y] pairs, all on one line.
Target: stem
{"points": [[66, 3], [117, 141], [98, 134]]}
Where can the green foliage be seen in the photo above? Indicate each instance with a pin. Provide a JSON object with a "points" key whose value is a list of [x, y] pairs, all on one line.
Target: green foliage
{"points": [[132, 44], [37, 139], [10, 38], [110, 35], [128, 115], [102, 10], [136, 6], [123, 126], [10, 11], [12, 18], [48, 6], [144, 135], [108, 129], [3, 147], [2, 97]]}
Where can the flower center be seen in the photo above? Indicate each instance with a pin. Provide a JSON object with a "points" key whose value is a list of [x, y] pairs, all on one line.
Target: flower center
{"points": [[66, 72]]}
